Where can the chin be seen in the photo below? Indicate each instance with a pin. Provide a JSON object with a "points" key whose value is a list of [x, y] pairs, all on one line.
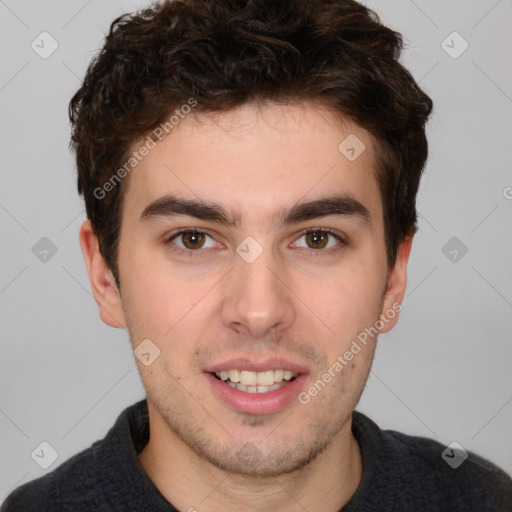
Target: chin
{"points": [[252, 459]]}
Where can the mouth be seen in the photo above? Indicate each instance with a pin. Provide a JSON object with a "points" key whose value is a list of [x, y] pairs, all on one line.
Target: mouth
{"points": [[256, 388], [256, 382]]}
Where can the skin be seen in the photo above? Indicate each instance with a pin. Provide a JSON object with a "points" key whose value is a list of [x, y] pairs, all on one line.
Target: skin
{"points": [[294, 301]]}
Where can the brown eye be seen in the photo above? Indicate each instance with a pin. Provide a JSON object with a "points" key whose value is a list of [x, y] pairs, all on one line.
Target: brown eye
{"points": [[192, 239], [320, 241], [317, 239]]}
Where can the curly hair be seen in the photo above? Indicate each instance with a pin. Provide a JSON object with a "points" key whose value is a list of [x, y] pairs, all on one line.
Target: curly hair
{"points": [[224, 53]]}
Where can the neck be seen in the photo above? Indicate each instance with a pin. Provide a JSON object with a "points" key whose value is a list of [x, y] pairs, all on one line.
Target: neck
{"points": [[192, 483]]}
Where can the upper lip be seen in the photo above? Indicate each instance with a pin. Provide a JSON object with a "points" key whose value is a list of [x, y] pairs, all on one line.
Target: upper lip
{"points": [[256, 366]]}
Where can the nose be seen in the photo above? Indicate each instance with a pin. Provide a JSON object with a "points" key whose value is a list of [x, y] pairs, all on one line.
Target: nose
{"points": [[257, 299]]}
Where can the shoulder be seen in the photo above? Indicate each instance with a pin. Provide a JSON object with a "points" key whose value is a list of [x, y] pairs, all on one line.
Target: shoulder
{"points": [[55, 491], [106, 472], [452, 468], [427, 471]]}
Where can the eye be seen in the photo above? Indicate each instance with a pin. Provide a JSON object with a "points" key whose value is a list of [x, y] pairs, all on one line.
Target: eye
{"points": [[318, 239], [191, 240]]}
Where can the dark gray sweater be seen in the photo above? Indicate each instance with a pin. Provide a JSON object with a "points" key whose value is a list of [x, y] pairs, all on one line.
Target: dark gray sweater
{"points": [[400, 473]]}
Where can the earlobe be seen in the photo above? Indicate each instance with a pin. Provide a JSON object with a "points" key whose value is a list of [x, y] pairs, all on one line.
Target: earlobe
{"points": [[102, 281], [397, 283]]}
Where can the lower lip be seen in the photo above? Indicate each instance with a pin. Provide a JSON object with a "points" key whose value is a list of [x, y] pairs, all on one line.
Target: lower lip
{"points": [[257, 403]]}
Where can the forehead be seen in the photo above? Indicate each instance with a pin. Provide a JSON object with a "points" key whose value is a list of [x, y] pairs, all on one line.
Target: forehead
{"points": [[258, 159]]}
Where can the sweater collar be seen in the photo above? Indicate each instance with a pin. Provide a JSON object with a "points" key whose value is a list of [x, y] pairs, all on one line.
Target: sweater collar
{"points": [[380, 453]]}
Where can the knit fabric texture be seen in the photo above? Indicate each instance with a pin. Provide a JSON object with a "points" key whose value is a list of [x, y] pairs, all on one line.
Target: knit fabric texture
{"points": [[400, 473]]}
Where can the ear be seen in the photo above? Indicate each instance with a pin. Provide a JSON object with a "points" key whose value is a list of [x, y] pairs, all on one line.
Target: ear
{"points": [[397, 282], [102, 280]]}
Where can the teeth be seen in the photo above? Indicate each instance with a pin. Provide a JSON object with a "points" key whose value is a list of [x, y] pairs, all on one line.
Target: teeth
{"points": [[255, 380], [287, 375], [253, 389], [248, 378], [234, 375], [265, 378]]}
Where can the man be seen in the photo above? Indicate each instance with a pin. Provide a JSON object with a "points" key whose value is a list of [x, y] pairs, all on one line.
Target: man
{"points": [[250, 171]]}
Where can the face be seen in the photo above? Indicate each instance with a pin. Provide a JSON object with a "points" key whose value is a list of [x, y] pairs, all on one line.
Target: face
{"points": [[252, 256]]}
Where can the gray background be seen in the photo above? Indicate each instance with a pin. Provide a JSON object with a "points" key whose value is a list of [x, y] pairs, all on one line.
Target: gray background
{"points": [[443, 372]]}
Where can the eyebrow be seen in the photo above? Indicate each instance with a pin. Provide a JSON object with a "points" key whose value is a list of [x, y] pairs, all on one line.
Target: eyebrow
{"points": [[340, 204]]}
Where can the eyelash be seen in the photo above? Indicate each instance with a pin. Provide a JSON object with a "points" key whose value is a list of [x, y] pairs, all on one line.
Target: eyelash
{"points": [[319, 252]]}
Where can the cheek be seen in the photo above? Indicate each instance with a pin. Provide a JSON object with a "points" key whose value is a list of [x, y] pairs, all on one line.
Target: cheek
{"points": [[154, 291], [169, 309], [350, 299]]}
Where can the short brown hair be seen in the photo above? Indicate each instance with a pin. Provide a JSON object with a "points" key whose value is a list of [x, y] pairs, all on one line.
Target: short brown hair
{"points": [[224, 53]]}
